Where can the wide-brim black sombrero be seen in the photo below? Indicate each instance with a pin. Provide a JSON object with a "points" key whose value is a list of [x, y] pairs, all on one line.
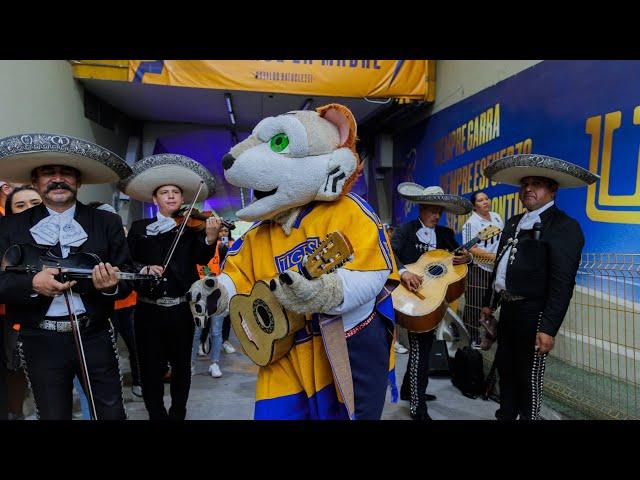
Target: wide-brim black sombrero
{"points": [[20, 154], [512, 169], [154, 171], [434, 196]]}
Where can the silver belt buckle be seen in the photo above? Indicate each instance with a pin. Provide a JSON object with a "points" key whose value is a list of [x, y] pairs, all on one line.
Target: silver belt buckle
{"points": [[54, 326], [507, 297], [167, 301]]}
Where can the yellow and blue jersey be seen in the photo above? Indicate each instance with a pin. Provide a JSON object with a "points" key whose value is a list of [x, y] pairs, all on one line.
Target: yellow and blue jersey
{"points": [[300, 385]]}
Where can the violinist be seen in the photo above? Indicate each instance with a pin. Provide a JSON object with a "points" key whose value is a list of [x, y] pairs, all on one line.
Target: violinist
{"points": [[164, 325], [47, 306]]}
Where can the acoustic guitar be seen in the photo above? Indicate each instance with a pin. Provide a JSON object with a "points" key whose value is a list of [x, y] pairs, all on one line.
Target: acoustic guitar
{"points": [[265, 328], [422, 311]]}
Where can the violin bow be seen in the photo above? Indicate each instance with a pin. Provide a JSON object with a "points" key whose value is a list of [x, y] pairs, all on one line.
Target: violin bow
{"points": [[77, 338], [174, 244]]}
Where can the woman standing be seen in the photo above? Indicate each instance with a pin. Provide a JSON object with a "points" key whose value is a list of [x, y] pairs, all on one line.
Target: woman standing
{"points": [[484, 255], [21, 199], [214, 334]]}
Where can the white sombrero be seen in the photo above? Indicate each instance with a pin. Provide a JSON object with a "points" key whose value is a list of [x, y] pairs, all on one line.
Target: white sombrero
{"points": [[20, 154], [434, 196], [512, 169], [155, 171]]}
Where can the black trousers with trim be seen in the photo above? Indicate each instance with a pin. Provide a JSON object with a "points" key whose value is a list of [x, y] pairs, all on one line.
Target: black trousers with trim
{"points": [[164, 334], [520, 382], [416, 377], [51, 362]]}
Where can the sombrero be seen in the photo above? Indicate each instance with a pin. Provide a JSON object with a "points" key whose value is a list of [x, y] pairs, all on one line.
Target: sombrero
{"points": [[20, 154], [512, 169], [434, 196], [154, 171]]}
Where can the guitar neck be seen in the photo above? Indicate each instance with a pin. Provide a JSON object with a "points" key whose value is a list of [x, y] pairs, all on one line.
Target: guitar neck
{"points": [[468, 245]]}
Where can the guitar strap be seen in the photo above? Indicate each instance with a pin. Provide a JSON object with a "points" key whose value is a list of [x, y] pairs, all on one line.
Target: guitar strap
{"points": [[335, 344]]}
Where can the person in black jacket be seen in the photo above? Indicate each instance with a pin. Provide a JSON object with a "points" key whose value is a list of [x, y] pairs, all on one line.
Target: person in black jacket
{"points": [[163, 323], [538, 257], [410, 240], [57, 166]]}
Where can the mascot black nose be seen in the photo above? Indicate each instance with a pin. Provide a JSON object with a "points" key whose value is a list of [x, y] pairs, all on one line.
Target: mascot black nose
{"points": [[227, 161]]}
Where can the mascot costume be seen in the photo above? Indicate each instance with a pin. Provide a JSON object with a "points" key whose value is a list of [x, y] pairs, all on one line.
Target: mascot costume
{"points": [[301, 166]]}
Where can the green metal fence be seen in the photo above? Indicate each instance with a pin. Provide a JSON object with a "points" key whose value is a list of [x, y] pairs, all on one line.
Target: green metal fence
{"points": [[594, 368]]}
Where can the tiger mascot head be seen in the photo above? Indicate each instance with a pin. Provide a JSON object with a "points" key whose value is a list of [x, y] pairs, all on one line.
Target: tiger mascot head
{"points": [[293, 159]]}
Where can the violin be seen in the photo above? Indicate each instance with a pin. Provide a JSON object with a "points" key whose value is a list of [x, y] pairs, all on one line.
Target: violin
{"points": [[198, 220], [30, 258]]}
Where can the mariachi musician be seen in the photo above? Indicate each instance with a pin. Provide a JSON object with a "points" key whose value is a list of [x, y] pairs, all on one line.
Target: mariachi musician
{"points": [[49, 308], [163, 323], [535, 273], [410, 240]]}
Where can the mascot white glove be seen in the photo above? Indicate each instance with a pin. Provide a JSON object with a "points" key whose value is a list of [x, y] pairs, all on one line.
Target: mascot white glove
{"points": [[300, 295], [207, 297]]}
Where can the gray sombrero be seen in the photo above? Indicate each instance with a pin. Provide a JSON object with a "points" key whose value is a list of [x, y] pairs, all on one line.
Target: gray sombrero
{"points": [[155, 171], [512, 169], [434, 196], [20, 154]]}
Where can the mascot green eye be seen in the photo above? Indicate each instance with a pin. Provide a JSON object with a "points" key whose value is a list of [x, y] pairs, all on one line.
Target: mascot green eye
{"points": [[279, 142]]}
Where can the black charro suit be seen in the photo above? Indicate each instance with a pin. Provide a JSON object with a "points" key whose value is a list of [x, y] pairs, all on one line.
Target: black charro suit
{"points": [[50, 356], [408, 248], [543, 271], [165, 334]]}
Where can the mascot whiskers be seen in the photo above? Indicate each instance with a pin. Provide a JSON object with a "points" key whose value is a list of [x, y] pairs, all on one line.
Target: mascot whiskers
{"points": [[301, 166]]}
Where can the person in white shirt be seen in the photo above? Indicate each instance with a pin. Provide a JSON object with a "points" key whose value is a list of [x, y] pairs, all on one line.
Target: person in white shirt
{"points": [[57, 166], [163, 323], [534, 277], [409, 242], [484, 254]]}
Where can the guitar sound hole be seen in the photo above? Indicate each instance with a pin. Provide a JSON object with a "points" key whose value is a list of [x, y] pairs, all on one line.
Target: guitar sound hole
{"points": [[436, 270], [264, 317]]}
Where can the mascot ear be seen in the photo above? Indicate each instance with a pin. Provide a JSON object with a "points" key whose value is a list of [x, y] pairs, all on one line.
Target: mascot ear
{"points": [[343, 119], [344, 166]]}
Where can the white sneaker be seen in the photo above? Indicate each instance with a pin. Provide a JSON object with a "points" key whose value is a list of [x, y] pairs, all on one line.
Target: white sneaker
{"points": [[193, 369], [214, 370], [227, 347], [399, 348], [201, 352], [136, 390]]}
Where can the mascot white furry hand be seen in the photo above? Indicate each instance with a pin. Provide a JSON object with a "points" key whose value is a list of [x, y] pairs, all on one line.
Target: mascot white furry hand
{"points": [[207, 297], [296, 293]]}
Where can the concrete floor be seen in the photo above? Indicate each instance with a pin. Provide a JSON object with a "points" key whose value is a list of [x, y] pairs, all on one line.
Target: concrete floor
{"points": [[232, 396]]}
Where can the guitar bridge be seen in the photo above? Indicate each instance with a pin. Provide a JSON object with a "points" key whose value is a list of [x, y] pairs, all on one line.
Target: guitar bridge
{"points": [[247, 332]]}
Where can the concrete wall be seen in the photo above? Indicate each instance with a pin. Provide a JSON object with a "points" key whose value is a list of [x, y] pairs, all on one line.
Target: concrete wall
{"points": [[459, 79], [42, 96]]}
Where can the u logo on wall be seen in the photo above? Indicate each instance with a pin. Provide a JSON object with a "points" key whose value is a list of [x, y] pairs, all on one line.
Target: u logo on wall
{"points": [[602, 205]]}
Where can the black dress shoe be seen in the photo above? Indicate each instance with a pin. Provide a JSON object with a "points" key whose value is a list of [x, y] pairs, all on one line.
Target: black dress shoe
{"points": [[421, 417], [404, 395]]}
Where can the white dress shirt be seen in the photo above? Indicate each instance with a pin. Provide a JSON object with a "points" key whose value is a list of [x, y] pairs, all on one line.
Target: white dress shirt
{"points": [[161, 225], [58, 307], [474, 224], [426, 235], [526, 223]]}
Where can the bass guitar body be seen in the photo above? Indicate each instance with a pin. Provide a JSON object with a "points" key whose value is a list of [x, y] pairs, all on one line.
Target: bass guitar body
{"points": [[443, 283]]}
